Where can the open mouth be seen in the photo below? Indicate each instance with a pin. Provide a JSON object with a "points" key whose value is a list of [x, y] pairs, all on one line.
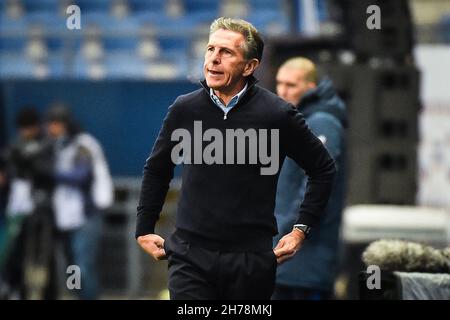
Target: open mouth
{"points": [[214, 73]]}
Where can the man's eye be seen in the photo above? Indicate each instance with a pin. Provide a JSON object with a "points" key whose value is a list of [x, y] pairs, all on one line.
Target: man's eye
{"points": [[210, 49]]}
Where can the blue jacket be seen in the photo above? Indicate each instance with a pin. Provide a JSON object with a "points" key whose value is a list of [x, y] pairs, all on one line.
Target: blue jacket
{"points": [[314, 265]]}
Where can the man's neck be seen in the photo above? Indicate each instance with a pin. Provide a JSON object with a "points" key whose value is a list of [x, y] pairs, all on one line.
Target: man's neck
{"points": [[225, 97]]}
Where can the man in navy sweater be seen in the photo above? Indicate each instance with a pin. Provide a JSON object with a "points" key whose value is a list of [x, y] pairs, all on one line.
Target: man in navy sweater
{"points": [[232, 137]]}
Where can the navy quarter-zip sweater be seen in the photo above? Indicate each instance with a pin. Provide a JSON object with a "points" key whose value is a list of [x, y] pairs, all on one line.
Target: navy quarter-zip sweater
{"points": [[230, 207]]}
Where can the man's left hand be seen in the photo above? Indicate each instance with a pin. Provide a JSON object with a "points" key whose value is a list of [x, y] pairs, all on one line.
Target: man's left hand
{"points": [[289, 245]]}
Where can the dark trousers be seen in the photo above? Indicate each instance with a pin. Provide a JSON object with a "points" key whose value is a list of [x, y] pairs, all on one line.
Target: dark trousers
{"points": [[81, 248], [196, 273], [32, 253]]}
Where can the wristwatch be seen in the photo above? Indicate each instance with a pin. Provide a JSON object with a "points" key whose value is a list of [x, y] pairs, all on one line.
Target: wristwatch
{"points": [[303, 227]]}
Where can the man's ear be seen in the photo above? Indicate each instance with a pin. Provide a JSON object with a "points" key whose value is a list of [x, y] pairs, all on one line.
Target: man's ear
{"points": [[311, 85], [250, 67]]}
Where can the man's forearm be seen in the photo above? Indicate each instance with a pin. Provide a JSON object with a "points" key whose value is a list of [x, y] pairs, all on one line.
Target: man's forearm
{"points": [[153, 193], [158, 171], [318, 191]]}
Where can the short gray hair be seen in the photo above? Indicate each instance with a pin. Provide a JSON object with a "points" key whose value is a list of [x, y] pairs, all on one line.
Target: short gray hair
{"points": [[253, 44]]}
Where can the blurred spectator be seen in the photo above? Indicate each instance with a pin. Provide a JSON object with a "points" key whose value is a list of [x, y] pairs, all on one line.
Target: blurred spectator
{"points": [[28, 249], [3, 196], [83, 187], [310, 274]]}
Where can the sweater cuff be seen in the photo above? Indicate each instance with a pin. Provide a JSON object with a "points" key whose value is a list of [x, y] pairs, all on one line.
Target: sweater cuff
{"points": [[145, 224], [306, 219]]}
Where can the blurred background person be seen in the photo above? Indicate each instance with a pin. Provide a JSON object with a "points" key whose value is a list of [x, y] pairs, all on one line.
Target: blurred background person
{"points": [[83, 188], [311, 273], [28, 247], [3, 196]]}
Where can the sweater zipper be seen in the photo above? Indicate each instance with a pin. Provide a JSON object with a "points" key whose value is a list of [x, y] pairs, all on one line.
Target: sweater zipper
{"points": [[225, 113]]}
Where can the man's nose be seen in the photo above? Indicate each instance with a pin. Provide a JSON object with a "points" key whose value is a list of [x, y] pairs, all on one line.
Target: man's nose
{"points": [[215, 58], [282, 92]]}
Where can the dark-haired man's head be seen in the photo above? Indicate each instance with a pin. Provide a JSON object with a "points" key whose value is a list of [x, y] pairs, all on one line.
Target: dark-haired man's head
{"points": [[60, 121], [28, 123]]}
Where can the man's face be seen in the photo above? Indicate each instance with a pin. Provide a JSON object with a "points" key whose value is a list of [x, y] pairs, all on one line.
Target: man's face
{"points": [[29, 133], [56, 129], [291, 84], [225, 65]]}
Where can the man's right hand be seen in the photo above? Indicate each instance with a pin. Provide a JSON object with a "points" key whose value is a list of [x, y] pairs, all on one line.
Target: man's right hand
{"points": [[153, 245]]}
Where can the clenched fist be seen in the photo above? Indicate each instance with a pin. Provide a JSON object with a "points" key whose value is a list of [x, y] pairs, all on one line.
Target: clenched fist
{"points": [[289, 245], [153, 245]]}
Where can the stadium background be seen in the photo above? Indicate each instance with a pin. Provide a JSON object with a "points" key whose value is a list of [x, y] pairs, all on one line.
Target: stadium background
{"points": [[132, 58]]}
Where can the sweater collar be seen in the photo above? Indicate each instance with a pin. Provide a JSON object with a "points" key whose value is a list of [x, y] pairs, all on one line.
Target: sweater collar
{"points": [[251, 81], [233, 100]]}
